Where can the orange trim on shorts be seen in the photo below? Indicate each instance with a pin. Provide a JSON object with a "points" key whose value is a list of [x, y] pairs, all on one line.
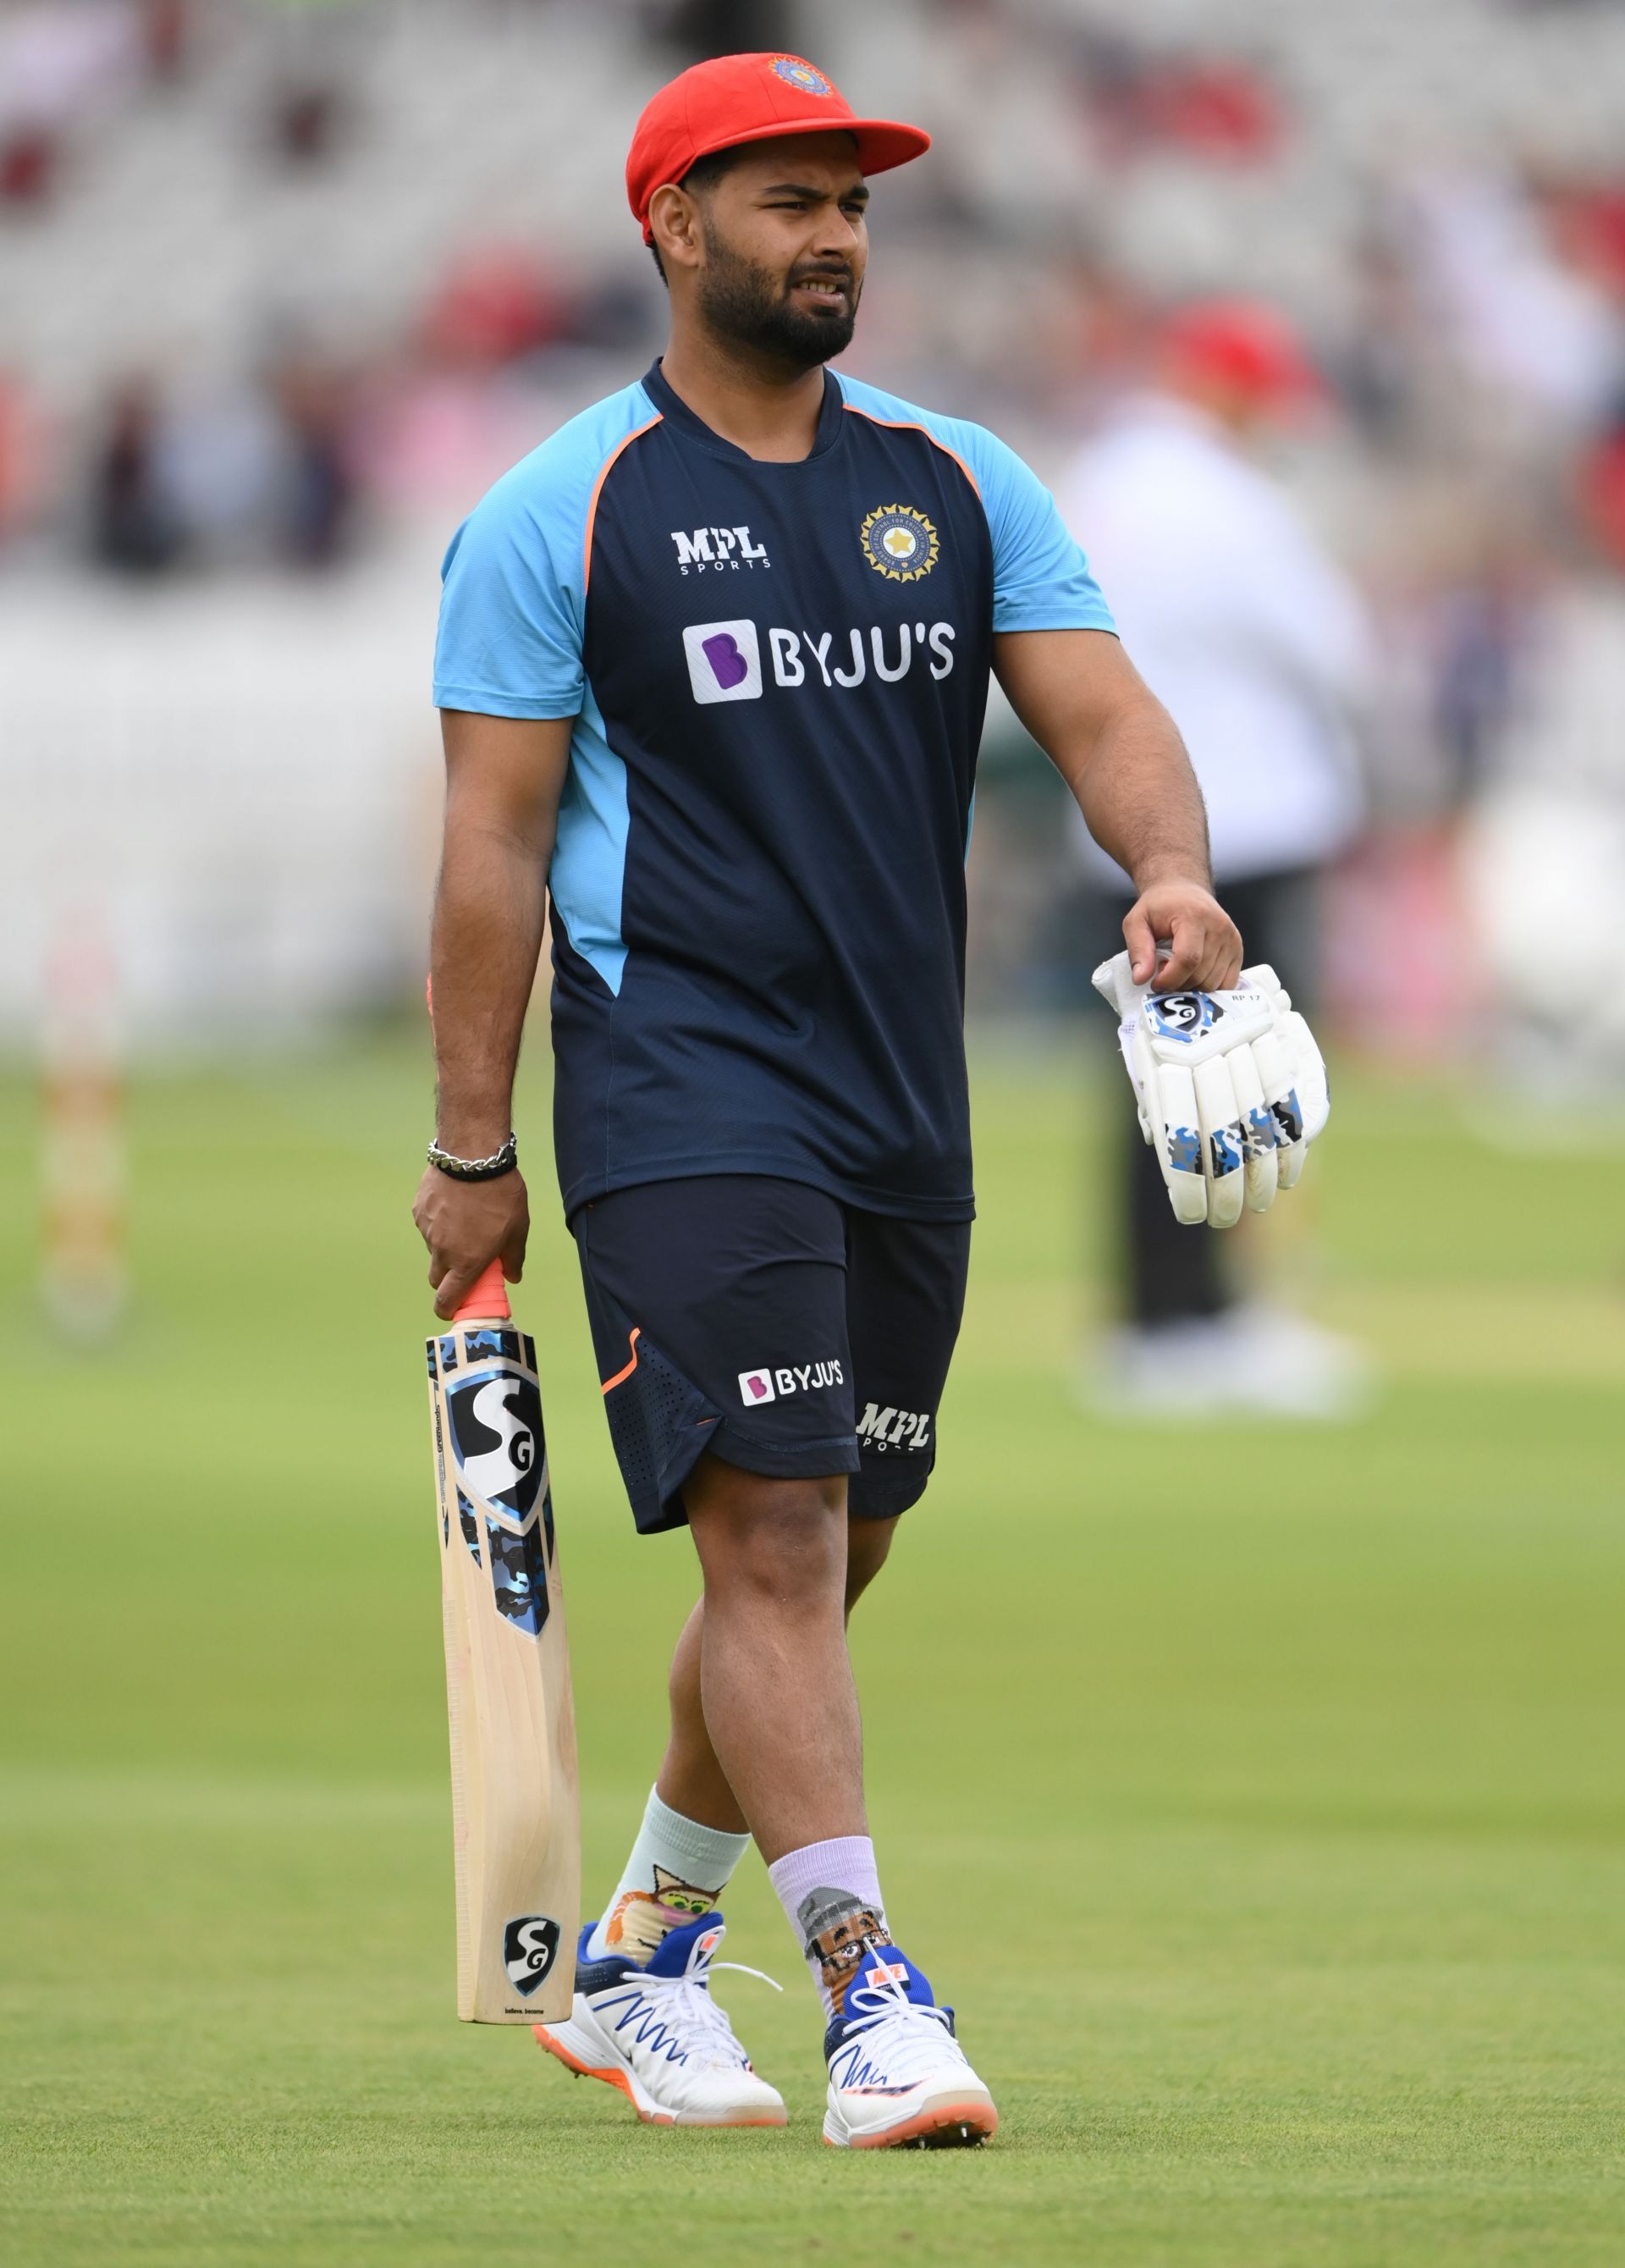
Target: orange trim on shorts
{"points": [[597, 488], [913, 425], [620, 1375]]}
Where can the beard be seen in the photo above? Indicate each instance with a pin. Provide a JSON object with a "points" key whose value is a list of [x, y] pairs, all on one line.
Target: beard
{"points": [[750, 305]]}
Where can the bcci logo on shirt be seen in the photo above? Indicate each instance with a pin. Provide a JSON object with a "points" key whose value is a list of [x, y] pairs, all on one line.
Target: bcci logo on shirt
{"points": [[899, 543]]}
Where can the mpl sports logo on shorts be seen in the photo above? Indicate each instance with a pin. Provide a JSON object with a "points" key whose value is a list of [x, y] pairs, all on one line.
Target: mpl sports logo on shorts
{"points": [[758, 1386], [725, 661], [894, 1429]]}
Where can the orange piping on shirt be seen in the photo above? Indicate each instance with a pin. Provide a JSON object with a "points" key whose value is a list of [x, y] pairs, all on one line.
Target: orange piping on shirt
{"points": [[624, 1373], [905, 425], [598, 490]]}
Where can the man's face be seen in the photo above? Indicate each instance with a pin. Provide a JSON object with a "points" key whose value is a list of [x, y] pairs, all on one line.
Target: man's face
{"points": [[785, 246]]}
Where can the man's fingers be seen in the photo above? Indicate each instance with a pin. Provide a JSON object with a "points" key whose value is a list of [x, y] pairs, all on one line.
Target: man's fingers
{"points": [[1181, 970], [456, 1282], [1141, 943]]}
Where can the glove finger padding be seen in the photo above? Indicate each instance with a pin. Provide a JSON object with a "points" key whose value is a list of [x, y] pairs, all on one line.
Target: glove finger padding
{"points": [[1222, 1153], [1231, 1088], [1258, 1125], [1175, 1134]]}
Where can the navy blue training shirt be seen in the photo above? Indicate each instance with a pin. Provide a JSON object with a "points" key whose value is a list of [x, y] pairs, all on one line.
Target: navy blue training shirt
{"points": [[777, 673]]}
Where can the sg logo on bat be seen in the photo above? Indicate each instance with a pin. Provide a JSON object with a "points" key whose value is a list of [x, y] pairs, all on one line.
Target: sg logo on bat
{"points": [[530, 1946]]}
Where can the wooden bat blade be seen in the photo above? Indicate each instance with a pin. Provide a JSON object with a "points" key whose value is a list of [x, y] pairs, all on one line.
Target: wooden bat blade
{"points": [[514, 1789]]}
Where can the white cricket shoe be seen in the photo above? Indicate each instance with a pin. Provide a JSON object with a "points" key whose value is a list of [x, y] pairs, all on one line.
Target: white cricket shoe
{"points": [[656, 2033], [897, 2074], [1249, 1361]]}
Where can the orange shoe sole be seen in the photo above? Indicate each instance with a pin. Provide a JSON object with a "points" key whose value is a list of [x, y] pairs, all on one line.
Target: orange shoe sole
{"points": [[611, 2077], [980, 2119]]}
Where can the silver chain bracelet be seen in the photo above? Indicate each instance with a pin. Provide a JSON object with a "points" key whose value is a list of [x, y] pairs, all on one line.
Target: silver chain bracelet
{"points": [[476, 1169]]}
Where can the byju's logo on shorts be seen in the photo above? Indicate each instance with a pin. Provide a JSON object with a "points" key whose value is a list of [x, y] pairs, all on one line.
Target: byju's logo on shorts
{"points": [[758, 1386], [725, 661]]}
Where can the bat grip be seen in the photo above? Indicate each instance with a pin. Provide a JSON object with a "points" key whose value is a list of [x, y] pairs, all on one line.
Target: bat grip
{"points": [[487, 1301]]}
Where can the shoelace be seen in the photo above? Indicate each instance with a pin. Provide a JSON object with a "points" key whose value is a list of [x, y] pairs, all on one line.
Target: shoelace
{"points": [[692, 2007], [891, 2035]]}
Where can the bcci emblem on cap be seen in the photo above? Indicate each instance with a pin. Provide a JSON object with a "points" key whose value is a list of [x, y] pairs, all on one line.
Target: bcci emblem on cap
{"points": [[795, 72], [899, 543]]}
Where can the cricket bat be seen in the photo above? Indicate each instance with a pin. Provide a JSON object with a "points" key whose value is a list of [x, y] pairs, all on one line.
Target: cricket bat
{"points": [[514, 1811]]}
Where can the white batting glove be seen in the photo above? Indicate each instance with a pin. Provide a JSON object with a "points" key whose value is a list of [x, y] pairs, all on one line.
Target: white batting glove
{"points": [[1229, 1086]]}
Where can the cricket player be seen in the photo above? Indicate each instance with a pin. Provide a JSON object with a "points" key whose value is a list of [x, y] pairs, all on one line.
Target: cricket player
{"points": [[712, 662]]}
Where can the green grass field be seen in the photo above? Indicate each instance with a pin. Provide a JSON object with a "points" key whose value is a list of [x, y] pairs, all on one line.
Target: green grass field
{"points": [[1256, 1794]]}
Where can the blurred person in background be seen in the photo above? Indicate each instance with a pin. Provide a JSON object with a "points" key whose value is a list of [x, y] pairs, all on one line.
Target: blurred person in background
{"points": [[1260, 647], [137, 525]]}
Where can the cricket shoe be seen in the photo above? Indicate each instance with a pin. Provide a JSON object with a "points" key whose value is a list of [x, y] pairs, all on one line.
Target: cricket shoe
{"points": [[897, 2074], [656, 2033]]}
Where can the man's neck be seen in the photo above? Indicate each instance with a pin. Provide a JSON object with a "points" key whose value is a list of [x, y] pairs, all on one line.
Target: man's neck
{"points": [[767, 410]]}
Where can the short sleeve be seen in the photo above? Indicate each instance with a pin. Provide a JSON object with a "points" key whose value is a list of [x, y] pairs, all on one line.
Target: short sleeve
{"points": [[1041, 577], [509, 637]]}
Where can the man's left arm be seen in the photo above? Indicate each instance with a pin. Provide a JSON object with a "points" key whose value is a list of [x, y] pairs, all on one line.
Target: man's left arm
{"points": [[1120, 752]]}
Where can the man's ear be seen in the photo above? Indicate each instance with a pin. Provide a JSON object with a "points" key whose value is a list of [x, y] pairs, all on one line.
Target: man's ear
{"points": [[674, 224]]}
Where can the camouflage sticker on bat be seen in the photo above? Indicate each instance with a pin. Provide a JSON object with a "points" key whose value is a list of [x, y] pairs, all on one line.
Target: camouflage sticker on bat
{"points": [[518, 1576]]}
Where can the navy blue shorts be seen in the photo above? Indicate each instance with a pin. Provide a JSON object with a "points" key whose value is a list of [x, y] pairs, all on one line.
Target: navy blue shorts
{"points": [[786, 1332]]}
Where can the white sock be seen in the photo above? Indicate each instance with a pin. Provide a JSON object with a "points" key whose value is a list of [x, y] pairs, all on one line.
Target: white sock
{"points": [[678, 1869], [831, 1896]]}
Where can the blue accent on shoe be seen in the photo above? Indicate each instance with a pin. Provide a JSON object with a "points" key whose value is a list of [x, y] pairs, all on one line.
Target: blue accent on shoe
{"points": [[670, 1957], [598, 1976], [917, 1985]]}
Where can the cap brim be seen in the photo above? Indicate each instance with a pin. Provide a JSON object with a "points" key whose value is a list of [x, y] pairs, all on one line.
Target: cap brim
{"points": [[882, 143]]}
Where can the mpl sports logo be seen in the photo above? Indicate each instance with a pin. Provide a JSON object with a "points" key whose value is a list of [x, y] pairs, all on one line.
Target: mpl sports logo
{"points": [[894, 1429], [700, 547], [757, 1387]]}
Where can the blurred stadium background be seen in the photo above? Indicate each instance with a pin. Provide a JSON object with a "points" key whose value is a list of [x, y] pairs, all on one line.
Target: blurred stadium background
{"points": [[1306, 1741]]}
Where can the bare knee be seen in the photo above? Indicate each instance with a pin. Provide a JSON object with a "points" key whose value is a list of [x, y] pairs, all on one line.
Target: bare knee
{"points": [[771, 1543], [868, 1543]]}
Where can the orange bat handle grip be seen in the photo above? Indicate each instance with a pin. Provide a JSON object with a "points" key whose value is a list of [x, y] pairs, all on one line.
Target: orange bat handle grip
{"points": [[489, 1299]]}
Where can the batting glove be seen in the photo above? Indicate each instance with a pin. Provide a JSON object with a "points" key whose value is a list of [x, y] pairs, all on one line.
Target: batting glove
{"points": [[1229, 1086]]}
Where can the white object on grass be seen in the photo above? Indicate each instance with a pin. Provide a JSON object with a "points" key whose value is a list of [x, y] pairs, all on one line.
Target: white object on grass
{"points": [[1229, 1086]]}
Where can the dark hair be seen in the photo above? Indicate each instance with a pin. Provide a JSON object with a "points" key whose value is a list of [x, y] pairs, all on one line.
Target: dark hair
{"points": [[703, 175]]}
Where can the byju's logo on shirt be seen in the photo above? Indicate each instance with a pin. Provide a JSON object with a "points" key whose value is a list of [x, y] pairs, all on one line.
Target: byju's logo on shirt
{"points": [[725, 661], [700, 547]]}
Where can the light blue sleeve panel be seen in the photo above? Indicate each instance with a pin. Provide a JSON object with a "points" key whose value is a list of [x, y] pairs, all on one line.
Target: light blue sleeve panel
{"points": [[513, 583], [1041, 577]]}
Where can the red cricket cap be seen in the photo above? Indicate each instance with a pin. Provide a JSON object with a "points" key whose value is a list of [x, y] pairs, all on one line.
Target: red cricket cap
{"points": [[737, 99], [1243, 343]]}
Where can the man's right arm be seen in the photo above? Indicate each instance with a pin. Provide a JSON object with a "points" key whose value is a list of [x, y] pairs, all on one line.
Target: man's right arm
{"points": [[504, 776]]}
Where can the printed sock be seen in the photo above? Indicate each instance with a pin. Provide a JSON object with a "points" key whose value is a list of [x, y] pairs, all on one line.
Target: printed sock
{"points": [[678, 1869], [831, 1896]]}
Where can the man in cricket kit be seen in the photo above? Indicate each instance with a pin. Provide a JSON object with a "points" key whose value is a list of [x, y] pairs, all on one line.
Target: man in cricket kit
{"points": [[713, 662]]}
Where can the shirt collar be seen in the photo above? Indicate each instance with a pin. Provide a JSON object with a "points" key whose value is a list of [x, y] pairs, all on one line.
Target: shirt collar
{"points": [[673, 407]]}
